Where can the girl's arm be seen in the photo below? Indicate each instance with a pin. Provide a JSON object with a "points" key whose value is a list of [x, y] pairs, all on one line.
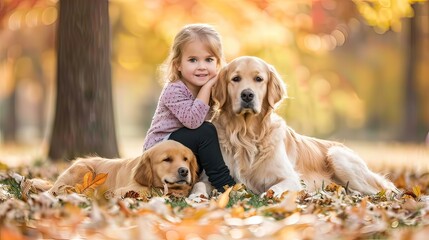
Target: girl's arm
{"points": [[205, 91], [178, 99]]}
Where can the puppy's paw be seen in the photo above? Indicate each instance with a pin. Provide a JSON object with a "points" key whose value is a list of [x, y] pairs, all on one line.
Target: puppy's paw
{"points": [[132, 194]]}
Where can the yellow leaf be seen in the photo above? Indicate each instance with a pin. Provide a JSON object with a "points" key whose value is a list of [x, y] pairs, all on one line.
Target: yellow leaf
{"points": [[224, 198], [70, 189], [237, 212], [417, 191], [90, 183], [382, 193], [100, 179], [3, 166], [87, 179], [78, 188], [239, 187]]}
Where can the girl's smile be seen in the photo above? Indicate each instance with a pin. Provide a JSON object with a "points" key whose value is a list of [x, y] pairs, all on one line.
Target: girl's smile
{"points": [[197, 65]]}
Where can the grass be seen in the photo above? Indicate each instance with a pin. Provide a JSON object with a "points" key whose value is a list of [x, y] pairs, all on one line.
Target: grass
{"points": [[12, 187]]}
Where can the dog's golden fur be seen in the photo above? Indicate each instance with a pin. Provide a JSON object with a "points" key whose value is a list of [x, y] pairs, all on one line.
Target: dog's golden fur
{"points": [[167, 163], [264, 153]]}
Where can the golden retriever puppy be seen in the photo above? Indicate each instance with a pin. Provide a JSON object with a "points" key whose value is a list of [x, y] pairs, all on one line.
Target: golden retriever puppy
{"points": [[168, 164], [264, 153]]}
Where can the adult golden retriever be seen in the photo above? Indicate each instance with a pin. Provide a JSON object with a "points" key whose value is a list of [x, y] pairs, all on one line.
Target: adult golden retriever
{"points": [[264, 153], [168, 164]]}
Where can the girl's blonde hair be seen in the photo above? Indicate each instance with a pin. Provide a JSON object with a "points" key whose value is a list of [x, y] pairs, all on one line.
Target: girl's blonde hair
{"points": [[203, 32]]}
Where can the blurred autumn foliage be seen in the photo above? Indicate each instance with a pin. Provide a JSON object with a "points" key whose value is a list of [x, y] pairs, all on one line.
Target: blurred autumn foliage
{"points": [[354, 69]]}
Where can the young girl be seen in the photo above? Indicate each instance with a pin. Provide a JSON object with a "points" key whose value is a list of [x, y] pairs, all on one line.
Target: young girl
{"points": [[190, 72]]}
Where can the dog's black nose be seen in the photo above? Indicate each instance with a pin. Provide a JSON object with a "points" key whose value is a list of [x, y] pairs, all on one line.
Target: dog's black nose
{"points": [[183, 171], [247, 95]]}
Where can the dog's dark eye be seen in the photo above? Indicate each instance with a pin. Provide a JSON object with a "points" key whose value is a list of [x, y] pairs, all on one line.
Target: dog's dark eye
{"points": [[259, 79], [167, 160], [185, 159], [236, 79]]}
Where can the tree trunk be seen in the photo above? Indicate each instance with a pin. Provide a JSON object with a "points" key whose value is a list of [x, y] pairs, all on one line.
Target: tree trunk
{"points": [[84, 120]]}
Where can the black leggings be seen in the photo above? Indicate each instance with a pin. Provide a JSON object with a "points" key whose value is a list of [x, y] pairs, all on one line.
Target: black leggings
{"points": [[204, 142]]}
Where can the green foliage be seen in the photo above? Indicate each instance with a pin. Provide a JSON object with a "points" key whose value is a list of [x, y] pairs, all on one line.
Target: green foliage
{"points": [[248, 199], [177, 202], [13, 187]]}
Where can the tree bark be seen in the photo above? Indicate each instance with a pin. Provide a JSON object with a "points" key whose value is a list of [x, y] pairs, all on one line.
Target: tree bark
{"points": [[84, 119]]}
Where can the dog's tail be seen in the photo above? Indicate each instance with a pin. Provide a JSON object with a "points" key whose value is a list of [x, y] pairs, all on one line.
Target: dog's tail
{"points": [[350, 169]]}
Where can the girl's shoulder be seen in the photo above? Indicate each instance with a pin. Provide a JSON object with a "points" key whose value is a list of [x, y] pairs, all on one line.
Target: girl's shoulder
{"points": [[176, 86], [174, 89]]}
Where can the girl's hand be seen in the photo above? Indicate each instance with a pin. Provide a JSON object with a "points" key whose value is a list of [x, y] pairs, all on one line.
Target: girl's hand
{"points": [[205, 91], [212, 81]]}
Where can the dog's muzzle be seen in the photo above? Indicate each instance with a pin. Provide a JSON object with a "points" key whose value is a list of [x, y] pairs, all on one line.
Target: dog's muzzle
{"points": [[182, 177], [247, 96], [183, 172]]}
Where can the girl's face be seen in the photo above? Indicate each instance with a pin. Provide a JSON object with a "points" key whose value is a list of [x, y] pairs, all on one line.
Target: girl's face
{"points": [[197, 65]]}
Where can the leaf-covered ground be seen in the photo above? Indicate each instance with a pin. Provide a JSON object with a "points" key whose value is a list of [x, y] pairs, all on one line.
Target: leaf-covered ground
{"points": [[330, 213]]}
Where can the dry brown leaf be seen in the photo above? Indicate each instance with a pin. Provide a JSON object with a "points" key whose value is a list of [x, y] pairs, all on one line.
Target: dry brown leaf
{"points": [[239, 187], [78, 188], [124, 209], [6, 233], [412, 205], [288, 202], [270, 194], [87, 179], [193, 213], [89, 182], [417, 191], [25, 188], [100, 179], [401, 181], [223, 199], [237, 212], [190, 229], [332, 187]]}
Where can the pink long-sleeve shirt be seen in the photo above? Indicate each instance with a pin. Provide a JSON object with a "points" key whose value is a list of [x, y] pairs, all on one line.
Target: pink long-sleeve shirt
{"points": [[177, 108]]}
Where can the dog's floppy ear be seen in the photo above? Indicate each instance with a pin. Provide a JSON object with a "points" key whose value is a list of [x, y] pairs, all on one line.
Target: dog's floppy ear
{"points": [[219, 90], [193, 165], [142, 172], [276, 87]]}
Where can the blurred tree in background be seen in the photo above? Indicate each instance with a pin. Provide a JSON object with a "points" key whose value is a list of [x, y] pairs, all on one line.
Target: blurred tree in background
{"points": [[354, 69], [84, 122], [24, 53]]}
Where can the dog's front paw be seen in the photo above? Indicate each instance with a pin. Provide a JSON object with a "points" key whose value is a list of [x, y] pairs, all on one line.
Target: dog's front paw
{"points": [[198, 197], [271, 194], [268, 194]]}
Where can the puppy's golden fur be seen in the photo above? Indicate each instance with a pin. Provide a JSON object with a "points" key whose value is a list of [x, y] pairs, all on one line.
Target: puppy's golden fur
{"points": [[264, 153], [167, 163]]}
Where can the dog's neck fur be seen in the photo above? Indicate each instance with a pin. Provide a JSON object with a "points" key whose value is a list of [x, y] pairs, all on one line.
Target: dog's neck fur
{"points": [[237, 136]]}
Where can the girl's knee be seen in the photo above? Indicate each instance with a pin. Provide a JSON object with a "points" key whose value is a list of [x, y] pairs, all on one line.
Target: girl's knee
{"points": [[207, 128]]}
